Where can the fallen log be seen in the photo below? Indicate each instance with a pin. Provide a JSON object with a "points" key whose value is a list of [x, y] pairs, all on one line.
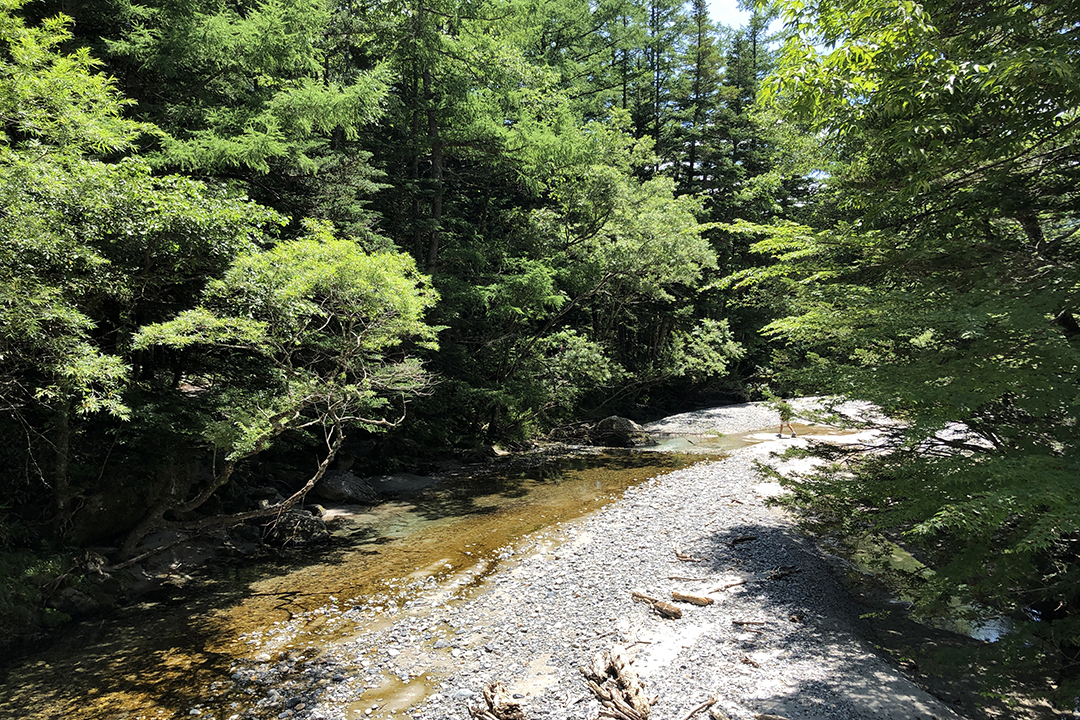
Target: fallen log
{"points": [[665, 609], [500, 705], [617, 687], [692, 599]]}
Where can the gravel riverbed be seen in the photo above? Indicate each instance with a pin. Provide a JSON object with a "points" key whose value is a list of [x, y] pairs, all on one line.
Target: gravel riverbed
{"points": [[781, 638]]}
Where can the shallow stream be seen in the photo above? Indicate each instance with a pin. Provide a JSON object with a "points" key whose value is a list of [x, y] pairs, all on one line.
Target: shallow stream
{"points": [[179, 658], [219, 647]]}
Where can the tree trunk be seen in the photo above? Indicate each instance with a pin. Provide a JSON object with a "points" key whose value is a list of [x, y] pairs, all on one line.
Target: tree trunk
{"points": [[61, 484], [436, 171]]}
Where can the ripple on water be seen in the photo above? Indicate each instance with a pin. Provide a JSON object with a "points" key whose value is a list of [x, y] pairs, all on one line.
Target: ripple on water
{"points": [[218, 649]]}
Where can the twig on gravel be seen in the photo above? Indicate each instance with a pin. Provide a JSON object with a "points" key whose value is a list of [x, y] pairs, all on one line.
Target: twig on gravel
{"points": [[728, 586], [685, 557], [747, 622], [782, 571], [687, 579], [500, 706], [601, 635], [703, 706], [617, 686]]}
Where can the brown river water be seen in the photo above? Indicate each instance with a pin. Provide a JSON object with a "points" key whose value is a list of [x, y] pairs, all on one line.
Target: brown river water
{"points": [[157, 659]]}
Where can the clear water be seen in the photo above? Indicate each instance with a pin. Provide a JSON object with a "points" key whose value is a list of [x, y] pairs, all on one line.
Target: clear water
{"points": [[159, 659]]}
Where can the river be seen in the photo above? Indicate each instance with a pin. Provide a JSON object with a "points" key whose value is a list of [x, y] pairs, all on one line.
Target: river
{"points": [[181, 656]]}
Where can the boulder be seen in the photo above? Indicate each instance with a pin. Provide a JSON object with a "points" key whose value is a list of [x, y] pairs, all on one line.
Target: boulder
{"points": [[74, 602], [401, 484], [344, 487], [618, 431]]}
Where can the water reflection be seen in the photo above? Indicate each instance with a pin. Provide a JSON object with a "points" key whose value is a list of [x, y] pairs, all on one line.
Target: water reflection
{"points": [[158, 659]]}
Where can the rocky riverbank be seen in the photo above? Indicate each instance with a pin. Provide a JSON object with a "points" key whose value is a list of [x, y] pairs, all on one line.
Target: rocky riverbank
{"points": [[782, 638]]}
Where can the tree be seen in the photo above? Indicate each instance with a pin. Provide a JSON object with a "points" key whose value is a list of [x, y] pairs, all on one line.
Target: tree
{"points": [[946, 293], [272, 95], [299, 336], [120, 294], [610, 279], [698, 87], [88, 249]]}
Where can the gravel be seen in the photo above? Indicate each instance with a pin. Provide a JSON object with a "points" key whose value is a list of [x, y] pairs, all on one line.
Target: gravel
{"points": [[781, 639]]}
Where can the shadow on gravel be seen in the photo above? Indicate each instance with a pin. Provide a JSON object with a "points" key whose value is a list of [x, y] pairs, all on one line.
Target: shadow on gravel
{"points": [[803, 608]]}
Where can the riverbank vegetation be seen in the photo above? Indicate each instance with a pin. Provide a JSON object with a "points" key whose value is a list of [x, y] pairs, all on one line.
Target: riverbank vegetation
{"points": [[276, 229]]}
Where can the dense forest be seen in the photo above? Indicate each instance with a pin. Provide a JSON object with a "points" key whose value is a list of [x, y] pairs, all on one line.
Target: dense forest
{"points": [[235, 229]]}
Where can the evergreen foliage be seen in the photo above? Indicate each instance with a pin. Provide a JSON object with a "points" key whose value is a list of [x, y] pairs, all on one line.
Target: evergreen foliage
{"points": [[225, 226], [216, 216], [95, 250], [939, 283]]}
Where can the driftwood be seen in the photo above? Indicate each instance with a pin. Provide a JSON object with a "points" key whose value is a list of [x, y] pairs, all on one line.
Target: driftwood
{"points": [[707, 704], [500, 705], [781, 572], [744, 623], [692, 599], [617, 686], [665, 609], [728, 586], [685, 557]]}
